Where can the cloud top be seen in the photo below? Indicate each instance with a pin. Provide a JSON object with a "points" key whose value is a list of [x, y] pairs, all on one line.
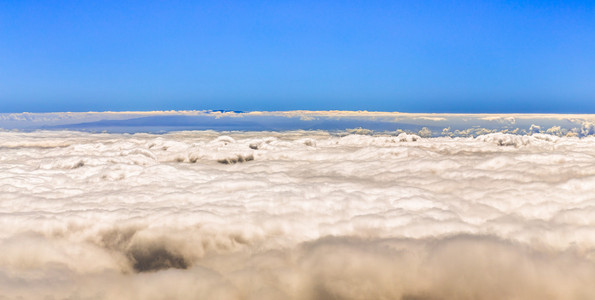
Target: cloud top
{"points": [[311, 215]]}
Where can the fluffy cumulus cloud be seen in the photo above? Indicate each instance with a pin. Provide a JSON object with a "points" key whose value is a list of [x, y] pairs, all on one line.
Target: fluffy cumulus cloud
{"points": [[296, 215]]}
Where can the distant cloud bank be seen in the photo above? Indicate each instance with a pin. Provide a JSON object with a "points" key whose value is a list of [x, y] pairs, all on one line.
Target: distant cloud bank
{"points": [[428, 125]]}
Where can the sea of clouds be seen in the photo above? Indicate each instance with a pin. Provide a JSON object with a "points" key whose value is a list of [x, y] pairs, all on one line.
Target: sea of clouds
{"points": [[296, 215]]}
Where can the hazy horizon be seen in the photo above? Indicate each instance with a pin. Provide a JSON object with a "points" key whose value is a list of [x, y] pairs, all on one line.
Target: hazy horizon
{"points": [[362, 122]]}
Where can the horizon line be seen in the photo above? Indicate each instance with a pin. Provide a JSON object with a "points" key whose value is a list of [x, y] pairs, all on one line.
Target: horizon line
{"points": [[298, 111]]}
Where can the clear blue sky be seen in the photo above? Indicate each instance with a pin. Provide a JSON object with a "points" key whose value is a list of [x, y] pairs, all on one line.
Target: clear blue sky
{"points": [[415, 56]]}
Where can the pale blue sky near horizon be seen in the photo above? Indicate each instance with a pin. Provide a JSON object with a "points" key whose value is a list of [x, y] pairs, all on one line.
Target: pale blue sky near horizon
{"points": [[410, 56]]}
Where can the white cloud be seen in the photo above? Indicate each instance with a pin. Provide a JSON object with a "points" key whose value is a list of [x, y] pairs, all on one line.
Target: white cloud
{"points": [[312, 216]]}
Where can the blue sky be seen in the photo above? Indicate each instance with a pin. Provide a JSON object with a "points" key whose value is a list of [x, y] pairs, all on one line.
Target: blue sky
{"points": [[411, 56]]}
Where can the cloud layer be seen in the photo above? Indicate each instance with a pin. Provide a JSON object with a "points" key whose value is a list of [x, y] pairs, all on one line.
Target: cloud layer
{"points": [[424, 124], [299, 214]]}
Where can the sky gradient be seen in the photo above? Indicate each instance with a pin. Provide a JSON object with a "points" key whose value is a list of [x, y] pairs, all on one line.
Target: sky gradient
{"points": [[410, 56]]}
